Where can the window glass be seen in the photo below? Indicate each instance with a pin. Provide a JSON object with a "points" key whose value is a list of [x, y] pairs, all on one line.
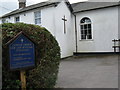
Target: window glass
{"points": [[37, 17], [17, 19]]}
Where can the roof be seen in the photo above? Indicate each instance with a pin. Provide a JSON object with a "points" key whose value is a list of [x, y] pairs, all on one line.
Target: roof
{"points": [[76, 7], [39, 5], [31, 7], [86, 6]]}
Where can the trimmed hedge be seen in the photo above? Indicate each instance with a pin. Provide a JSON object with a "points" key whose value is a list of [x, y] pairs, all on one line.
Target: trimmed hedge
{"points": [[47, 57]]}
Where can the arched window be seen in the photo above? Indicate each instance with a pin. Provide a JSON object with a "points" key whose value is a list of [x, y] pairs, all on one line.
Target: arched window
{"points": [[86, 29]]}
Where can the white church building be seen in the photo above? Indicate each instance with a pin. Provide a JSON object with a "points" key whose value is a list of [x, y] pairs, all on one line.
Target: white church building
{"points": [[84, 27]]}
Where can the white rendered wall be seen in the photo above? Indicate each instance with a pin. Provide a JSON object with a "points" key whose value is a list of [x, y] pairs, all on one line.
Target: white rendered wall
{"points": [[48, 19], [0, 21], [66, 41], [25, 17], [104, 30], [119, 22]]}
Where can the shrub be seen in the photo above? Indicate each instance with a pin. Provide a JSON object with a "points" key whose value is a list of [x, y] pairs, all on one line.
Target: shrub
{"points": [[44, 75]]}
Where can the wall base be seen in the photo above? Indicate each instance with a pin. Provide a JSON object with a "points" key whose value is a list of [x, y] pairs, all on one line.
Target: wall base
{"points": [[95, 53]]}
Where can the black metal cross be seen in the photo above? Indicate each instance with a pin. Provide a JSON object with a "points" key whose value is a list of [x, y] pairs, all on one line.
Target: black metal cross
{"points": [[64, 23]]}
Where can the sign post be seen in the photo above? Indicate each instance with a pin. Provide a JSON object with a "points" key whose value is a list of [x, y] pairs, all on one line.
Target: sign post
{"points": [[23, 79], [21, 56]]}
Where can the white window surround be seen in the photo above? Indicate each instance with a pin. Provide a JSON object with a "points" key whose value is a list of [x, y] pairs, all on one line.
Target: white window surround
{"points": [[37, 17], [86, 29]]}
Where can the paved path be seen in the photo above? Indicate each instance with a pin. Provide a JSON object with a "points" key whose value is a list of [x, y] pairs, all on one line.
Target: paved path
{"points": [[91, 72]]}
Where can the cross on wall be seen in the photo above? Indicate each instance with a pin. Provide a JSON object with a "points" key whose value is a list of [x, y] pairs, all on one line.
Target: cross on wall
{"points": [[64, 19]]}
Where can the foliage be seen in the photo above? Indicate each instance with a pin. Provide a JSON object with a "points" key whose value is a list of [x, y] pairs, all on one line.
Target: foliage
{"points": [[44, 75]]}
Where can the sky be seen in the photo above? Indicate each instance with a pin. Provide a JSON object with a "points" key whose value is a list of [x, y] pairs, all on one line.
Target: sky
{"points": [[7, 6]]}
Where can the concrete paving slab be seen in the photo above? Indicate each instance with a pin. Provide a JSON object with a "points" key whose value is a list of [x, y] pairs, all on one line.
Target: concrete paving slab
{"points": [[89, 72]]}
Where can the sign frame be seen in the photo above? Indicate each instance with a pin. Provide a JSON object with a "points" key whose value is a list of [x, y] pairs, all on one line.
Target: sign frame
{"points": [[8, 48]]}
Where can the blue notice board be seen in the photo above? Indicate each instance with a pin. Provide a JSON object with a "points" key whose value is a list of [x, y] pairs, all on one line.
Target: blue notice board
{"points": [[22, 53]]}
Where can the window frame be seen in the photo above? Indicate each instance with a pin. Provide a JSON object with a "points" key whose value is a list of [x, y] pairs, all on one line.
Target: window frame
{"points": [[37, 18], [16, 19], [4, 20], [86, 33]]}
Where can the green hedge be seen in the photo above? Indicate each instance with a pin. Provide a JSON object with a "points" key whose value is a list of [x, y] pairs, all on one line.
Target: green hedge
{"points": [[47, 57]]}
